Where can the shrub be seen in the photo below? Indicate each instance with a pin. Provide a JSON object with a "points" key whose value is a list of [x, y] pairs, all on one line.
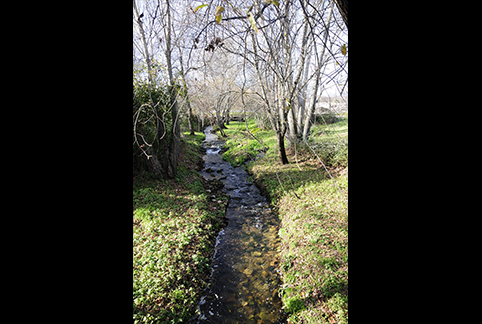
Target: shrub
{"points": [[332, 152], [328, 118], [145, 122]]}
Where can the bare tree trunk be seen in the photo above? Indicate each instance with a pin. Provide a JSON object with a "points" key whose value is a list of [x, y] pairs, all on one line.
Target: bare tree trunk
{"points": [[307, 126], [302, 98], [190, 118], [305, 64], [176, 130], [219, 121], [293, 132], [282, 128], [227, 115], [286, 77], [278, 122], [281, 147]]}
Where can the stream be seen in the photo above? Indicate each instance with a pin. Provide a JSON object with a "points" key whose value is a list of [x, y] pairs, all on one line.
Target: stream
{"points": [[244, 282]]}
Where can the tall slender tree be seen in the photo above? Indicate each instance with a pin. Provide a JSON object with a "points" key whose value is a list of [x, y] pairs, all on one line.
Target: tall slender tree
{"points": [[173, 153]]}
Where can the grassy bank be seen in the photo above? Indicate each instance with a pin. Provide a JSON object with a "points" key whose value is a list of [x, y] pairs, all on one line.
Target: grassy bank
{"points": [[313, 213], [175, 224]]}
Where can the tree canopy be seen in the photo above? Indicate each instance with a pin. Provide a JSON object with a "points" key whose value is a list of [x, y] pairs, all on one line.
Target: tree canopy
{"points": [[197, 63]]}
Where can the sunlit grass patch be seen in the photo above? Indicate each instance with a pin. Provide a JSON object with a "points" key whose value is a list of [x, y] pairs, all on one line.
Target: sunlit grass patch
{"points": [[174, 230], [313, 210], [242, 146]]}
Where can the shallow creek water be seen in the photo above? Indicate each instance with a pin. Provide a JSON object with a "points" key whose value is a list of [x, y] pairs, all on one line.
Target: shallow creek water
{"points": [[244, 281]]}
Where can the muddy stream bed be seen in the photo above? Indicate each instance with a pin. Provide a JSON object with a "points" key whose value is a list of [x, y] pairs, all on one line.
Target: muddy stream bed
{"points": [[244, 282]]}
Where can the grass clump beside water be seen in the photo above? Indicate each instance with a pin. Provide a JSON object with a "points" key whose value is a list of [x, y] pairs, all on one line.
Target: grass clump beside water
{"points": [[242, 147], [174, 229], [314, 217]]}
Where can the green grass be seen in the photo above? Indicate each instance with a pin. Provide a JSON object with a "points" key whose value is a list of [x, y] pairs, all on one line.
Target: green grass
{"points": [[330, 142], [241, 146], [331, 131], [314, 218], [174, 230]]}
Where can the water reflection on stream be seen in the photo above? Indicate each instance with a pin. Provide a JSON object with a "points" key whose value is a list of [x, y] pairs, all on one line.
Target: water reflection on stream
{"points": [[244, 283]]}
